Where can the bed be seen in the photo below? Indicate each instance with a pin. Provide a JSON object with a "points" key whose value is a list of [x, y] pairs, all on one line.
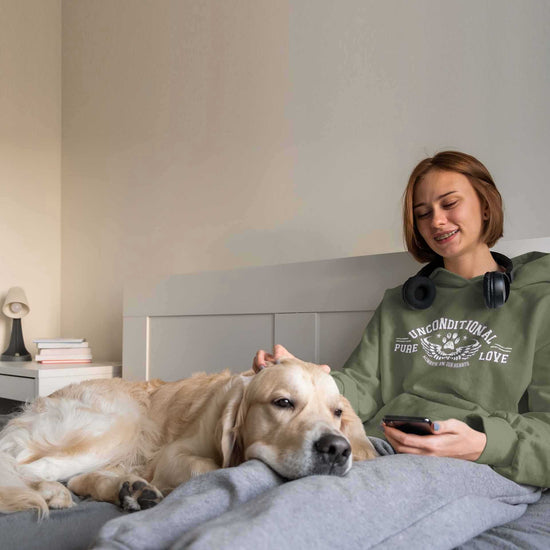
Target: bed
{"points": [[208, 321]]}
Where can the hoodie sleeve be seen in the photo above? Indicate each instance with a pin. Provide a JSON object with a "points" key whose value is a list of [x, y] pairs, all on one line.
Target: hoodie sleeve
{"points": [[518, 445], [359, 380]]}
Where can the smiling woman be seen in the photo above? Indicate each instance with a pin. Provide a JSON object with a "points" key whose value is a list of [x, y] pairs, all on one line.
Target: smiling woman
{"points": [[464, 343]]}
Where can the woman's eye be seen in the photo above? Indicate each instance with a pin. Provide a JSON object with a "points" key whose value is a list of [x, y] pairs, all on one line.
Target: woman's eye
{"points": [[422, 216], [283, 403], [338, 413], [450, 204]]}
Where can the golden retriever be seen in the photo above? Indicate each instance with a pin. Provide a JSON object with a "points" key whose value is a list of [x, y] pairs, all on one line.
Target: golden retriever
{"points": [[130, 443]]}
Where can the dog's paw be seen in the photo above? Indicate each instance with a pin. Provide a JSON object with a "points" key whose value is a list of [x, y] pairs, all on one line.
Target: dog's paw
{"points": [[138, 495], [56, 495]]}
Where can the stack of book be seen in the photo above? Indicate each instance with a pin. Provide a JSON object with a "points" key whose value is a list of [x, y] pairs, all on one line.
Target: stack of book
{"points": [[63, 350]]}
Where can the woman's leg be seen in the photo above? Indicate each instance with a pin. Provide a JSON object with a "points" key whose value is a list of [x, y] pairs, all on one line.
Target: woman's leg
{"points": [[395, 501], [199, 500]]}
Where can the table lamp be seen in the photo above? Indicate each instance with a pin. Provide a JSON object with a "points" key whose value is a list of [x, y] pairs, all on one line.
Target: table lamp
{"points": [[15, 307]]}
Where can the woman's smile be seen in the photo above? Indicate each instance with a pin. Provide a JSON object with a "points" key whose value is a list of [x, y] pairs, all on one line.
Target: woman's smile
{"points": [[442, 238]]}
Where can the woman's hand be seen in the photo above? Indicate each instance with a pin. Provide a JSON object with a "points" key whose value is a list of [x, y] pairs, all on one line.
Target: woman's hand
{"points": [[262, 357], [452, 438]]}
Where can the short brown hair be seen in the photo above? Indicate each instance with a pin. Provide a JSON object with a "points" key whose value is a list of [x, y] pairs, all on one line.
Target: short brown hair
{"points": [[483, 184]]}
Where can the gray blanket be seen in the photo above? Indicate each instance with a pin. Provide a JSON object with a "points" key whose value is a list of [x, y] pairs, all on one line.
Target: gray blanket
{"points": [[188, 514], [395, 501]]}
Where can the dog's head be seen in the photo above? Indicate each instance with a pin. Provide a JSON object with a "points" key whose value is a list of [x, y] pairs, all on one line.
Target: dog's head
{"points": [[292, 417]]}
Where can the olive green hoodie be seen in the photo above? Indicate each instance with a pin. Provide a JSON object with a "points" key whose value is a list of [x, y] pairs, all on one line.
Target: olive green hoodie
{"points": [[458, 359]]}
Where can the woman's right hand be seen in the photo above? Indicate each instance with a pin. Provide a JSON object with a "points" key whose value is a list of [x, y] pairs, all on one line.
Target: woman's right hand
{"points": [[262, 357], [279, 352]]}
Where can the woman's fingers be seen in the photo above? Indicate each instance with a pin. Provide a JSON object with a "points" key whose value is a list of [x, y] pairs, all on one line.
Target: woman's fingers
{"points": [[262, 358], [408, 443], [259, 360], [279, 352], [452, 438]]}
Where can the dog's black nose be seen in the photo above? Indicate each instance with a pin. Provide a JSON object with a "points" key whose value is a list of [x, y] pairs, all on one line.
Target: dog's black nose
{"points": [[333, 449]]}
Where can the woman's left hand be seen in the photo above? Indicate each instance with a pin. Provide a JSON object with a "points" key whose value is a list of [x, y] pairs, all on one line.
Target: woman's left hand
{"points": [[452, 438]]}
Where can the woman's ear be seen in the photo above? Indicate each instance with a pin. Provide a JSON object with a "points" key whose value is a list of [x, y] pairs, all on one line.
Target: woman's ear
{"points": [[352, 428], [230, 423]]}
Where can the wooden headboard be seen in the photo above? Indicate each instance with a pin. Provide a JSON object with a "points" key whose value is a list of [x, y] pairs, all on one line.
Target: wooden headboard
{"points": [[215, 320]]}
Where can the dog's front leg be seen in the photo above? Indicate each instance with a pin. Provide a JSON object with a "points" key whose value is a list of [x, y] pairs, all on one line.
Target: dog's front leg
{"points": [[174, 466], [128, 491]]}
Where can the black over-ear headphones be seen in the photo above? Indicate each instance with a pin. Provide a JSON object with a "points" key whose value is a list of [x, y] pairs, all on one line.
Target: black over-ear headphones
{"points": [[419, 291]]}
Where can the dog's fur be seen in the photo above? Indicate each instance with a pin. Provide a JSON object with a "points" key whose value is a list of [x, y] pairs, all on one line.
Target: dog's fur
{"points": [[131, 442]]}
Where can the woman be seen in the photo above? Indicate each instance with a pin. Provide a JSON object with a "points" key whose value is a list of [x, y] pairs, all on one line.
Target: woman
{"points": [[467, 344], [482, 373]]}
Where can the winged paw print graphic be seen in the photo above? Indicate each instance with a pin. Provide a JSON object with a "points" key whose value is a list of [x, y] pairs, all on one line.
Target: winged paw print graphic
{"points": [[450, 345]]}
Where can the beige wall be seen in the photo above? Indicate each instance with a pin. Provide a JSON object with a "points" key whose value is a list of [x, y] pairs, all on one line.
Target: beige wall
{"points": [[210, 134], [30, 162], [202, 134]]}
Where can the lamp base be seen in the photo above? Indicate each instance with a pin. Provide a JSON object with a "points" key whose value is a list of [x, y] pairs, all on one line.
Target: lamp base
{"points": [[16, 350], [16, 357]]}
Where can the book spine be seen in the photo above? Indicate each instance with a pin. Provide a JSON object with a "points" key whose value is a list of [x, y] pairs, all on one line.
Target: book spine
{"points": [[63, 357], [59, 340], [57, 345], [65, 351], [59, 361]]}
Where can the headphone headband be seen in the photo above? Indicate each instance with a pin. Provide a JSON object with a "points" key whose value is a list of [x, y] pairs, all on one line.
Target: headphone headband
{"points": [[419, 291]]}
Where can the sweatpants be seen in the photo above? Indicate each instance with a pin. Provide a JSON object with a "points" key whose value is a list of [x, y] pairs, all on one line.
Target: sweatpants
{"points": [[395, 501]]}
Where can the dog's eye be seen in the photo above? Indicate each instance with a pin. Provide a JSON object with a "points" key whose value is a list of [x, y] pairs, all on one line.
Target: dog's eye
{"points": [[338, 413], [283, 403]]}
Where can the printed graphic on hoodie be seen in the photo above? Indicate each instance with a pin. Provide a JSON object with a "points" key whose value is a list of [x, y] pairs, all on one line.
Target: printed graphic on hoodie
{"points": [[451, 343]]}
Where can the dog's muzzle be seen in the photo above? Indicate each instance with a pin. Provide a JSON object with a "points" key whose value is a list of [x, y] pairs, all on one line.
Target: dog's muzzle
{"points": [[332, 455]]}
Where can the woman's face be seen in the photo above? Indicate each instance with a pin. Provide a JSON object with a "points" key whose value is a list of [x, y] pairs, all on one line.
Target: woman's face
{"points": [[448, 214]]}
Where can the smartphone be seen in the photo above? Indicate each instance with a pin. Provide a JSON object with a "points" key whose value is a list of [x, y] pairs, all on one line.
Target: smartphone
{"points": [[417, 425]]}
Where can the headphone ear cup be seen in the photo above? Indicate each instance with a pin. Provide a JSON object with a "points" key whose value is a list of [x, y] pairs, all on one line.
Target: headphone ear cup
{"points": [[496, 289], [418, 292]]}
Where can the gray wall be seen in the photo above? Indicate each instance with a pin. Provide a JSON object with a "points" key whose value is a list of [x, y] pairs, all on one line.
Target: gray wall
{"points": [[202, 135]]}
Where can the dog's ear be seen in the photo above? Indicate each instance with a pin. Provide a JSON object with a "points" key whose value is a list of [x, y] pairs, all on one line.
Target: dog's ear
{"points": [[352, 428], [231, 420]]}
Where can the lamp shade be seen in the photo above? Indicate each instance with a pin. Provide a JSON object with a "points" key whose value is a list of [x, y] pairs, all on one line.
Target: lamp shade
{"points": [[16, 305]]}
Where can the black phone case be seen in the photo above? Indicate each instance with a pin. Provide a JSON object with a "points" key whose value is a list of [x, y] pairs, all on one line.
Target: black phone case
{"points": [[417, 425]]}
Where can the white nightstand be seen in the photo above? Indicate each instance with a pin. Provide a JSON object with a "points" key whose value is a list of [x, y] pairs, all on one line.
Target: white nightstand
{"points": [[25, 380]]}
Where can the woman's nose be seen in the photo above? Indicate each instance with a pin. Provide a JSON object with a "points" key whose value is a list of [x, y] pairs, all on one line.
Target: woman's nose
{"points": [[439, 218]]}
